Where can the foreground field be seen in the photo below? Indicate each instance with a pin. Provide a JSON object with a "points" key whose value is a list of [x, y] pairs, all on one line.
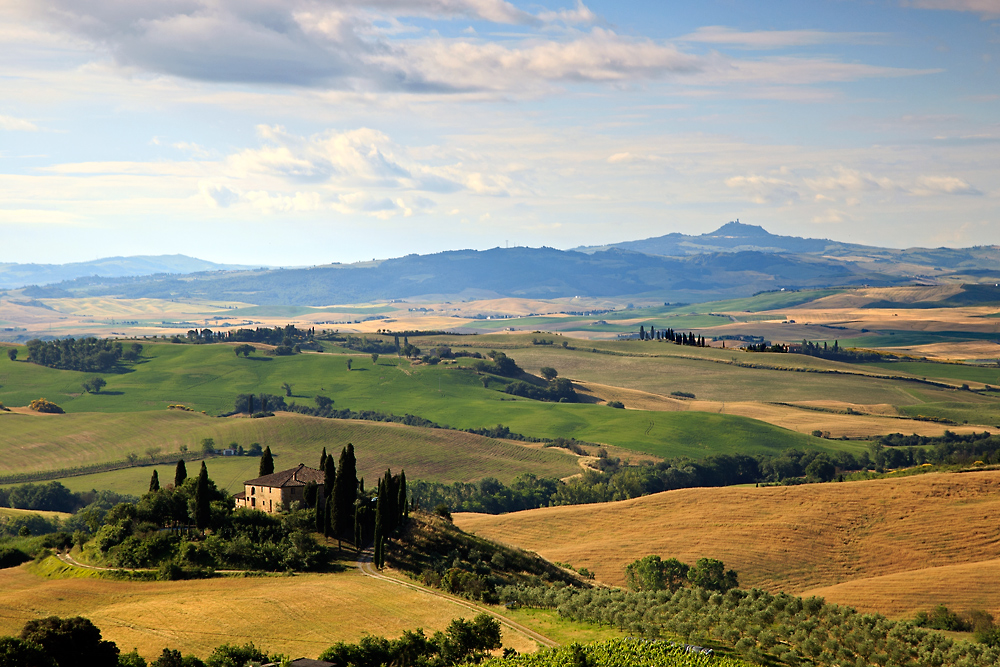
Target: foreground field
{"points": [[34, 443], [299, 616], [906, 531]]}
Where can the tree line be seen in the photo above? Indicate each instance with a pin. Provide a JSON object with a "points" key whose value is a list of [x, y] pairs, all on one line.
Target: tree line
{"points": [[669, 335], [84, 354]]}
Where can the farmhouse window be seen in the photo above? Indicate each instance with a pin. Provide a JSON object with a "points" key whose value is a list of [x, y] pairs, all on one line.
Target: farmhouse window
{"points": [[253, 490]]}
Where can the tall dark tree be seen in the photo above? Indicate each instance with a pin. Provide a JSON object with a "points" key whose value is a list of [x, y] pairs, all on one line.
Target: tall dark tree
{"points": [[266, 463], [380, 525], [320, 513], [329, 476], [154, 482], [642, 332], [202, 502], [402, 506], [180, 474], [345, 494], [390, 488], [322, 460], [328, 517]]}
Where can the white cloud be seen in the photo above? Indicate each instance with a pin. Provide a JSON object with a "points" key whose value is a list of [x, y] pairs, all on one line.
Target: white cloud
{"points": [[851, 180], [765, 189], [27, 216], [11, 123], [985, 8], [217, 195], [943, 185], [777, 39]]}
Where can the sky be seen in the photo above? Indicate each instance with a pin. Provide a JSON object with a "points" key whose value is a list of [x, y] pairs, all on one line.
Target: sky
{"points": [[302, 132]]}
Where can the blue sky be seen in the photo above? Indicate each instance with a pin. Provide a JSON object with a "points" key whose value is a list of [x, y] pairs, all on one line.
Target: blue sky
{"points": [[298, 132]]}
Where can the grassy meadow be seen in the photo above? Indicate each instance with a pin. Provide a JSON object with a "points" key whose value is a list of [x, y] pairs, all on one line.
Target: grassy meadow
{"points": [[36, 443], [854, 539], [208, 378]]}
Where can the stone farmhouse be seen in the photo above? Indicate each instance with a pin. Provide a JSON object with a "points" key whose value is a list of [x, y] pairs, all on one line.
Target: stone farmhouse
{"points": [[273, 492]]}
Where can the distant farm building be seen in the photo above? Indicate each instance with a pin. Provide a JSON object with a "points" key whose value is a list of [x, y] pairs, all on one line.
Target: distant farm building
{"points": [[273, 492]]}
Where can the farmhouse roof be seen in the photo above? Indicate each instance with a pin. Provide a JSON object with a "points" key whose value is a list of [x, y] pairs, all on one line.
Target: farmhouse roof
{"points": [[298, 476]]}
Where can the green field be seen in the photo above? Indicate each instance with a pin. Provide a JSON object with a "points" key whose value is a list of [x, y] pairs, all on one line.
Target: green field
{"points": [[888, 338], [953, 372], [35, 443]]}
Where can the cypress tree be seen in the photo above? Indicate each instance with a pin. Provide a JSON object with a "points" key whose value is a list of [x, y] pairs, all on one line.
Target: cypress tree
{"points": [[180, 474], [328, 517], [379, 524], [358, 523], [266, 463], [154, 483], [202, 506], [329, 475], [390, 489], [346, 493], [322, 460], [249, 404], [320, 512], [401, 504], [642, 333]]}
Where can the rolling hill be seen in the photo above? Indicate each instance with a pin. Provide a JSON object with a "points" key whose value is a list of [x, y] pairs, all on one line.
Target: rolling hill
{"points": [[915, 539], [14, 275]]}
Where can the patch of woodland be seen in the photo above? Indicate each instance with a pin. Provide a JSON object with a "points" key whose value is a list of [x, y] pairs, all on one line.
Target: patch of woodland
{"points": [[432, 549]]}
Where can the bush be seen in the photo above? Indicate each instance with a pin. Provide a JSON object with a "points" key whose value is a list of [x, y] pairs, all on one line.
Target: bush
{"points": [[46, 406], [616, 404], [10, 557], [682, 394]]}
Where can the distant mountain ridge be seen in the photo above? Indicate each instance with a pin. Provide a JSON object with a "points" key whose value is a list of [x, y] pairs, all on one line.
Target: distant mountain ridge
{"points": [[538, 273], [734, 260], [731, 237], [736, 237], [14, 275]]}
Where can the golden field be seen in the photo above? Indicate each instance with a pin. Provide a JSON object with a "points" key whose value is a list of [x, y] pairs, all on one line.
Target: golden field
{"points": [[300, 616], [910, 533]]}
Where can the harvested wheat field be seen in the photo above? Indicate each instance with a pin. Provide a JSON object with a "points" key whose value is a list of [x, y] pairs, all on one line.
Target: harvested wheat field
{"points": [[300, 616], [827, 416], [959, 587], [792, 539]]}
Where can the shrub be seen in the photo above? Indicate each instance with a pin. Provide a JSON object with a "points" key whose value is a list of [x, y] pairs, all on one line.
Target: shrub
{"points": [[46, 406], [682, 394], [616, 404]]}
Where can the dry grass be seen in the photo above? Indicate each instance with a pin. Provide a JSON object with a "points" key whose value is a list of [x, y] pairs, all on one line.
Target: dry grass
{"points": [[876, 419], [299, 616], [794, 539], [13, 513], [959, 587]]}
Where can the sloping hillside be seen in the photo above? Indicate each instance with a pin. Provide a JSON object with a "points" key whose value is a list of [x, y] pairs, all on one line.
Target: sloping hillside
{"points": [[908, 531]]}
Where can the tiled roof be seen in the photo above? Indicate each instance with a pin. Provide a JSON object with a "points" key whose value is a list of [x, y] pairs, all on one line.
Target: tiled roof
{"points": [[240, 496], [298, 476]]}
